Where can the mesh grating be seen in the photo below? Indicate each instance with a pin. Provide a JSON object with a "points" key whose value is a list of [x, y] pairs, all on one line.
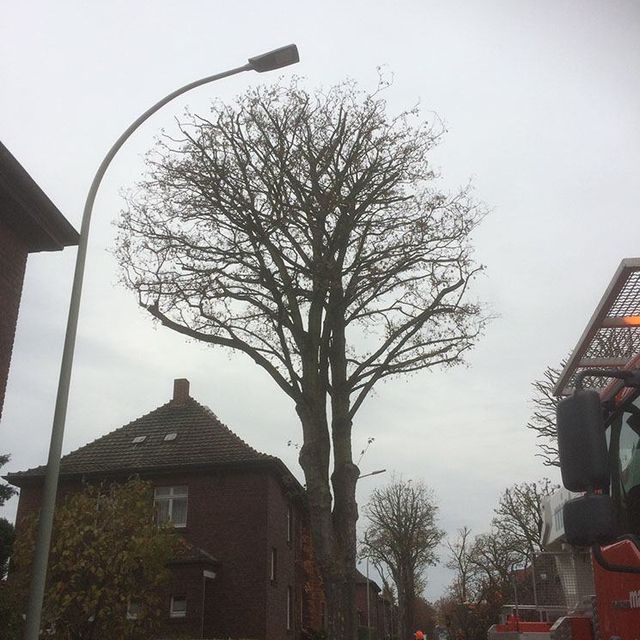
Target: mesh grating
{"points": [[608, 346], [627, 303], [556, 584], [590, 383], [614, 342]]}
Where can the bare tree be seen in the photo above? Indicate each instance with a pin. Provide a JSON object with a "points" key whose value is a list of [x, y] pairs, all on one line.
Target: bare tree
{"points": [[481, 566], [461, 562], [543, 420], [518, 518], [493, 556], [305, 230], [402, 534]]}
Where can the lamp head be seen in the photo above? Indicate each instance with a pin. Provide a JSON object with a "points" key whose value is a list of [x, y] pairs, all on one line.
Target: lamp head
{"points": [[276, 59]]}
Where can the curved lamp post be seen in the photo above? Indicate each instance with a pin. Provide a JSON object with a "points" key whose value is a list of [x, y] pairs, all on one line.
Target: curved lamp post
{"points": [[371, 473], [276, 59], [366, 475]]}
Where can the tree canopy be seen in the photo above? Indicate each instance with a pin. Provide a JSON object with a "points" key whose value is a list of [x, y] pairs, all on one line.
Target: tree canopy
{"points": [[6, 491], [7, 532], [276, 220]]}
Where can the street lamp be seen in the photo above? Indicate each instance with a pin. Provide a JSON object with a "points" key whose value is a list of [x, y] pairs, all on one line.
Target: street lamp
{"points": [[372, 473], [275, 59], [366, 475]]}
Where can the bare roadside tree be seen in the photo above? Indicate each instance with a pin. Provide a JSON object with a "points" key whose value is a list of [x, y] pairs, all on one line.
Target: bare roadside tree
{"points": [[543, 420], [305, 230], [518, 516], [482, 566], [402, 534], [460, 561]]}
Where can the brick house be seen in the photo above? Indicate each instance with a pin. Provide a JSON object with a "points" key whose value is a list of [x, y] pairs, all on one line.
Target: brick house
{"points": [[249, 571], [367, 592], [29, 222], [376, 612]]}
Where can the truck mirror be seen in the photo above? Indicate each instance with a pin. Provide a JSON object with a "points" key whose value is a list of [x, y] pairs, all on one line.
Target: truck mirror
{"points": [[590, 520], [582, 446]]}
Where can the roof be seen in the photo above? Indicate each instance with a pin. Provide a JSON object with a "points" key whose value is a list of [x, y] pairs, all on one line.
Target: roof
{"points": [[28, 212], [190, 554], [611, 339], [362, 579], [201, 440]]}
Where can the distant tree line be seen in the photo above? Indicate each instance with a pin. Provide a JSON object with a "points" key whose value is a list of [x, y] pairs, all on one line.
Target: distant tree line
{"points": [[484, 564]]}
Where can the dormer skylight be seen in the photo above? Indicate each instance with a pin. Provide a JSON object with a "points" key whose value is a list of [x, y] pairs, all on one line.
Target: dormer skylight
{"points": [[170, 436], [139, 439]]}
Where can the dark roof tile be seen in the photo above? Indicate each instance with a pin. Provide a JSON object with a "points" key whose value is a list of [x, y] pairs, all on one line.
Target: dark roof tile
{"points": [[202, 440], [28, 212]]}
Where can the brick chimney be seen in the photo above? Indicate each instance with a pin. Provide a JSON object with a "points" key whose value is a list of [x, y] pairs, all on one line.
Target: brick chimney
{"points": [[180, 391]]}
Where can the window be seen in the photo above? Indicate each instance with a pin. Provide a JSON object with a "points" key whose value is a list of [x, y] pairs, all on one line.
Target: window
{"points": [[170, 436], [178, 607], [139, 439], [624, 444], [289, 524], [289, 608], [274, 564], [171, 505], [133, 609]]}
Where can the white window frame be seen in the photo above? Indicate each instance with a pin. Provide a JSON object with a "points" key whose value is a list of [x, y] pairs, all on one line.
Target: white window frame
{"points": [[172, 495], [178, 613], [133, 609], [289, 608], [273, 569]]}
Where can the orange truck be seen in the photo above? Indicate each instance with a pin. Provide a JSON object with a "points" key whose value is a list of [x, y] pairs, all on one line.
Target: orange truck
{"points": [[598, 428]]}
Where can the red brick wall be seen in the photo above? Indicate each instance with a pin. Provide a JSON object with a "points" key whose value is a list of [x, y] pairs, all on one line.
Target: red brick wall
{"points": [[29, 503], [13, 260], [374, 605], [276, 605], [227, 518], [237, 517], [310, 587], [185, 581]]}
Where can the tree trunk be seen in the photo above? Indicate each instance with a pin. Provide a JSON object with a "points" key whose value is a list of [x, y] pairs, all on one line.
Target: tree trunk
{"points": [[333, 532], [345, 474], [406, 604], [345, 515]]}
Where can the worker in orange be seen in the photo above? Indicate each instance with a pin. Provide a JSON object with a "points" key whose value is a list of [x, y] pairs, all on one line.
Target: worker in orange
{"points": [[419, 635]]}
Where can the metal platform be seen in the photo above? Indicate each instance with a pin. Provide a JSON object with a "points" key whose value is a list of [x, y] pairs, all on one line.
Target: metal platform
{"points": [[612, 336]]}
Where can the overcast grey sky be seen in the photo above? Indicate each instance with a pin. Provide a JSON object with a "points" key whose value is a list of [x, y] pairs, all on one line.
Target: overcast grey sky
{"points": [[542, 102]]}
